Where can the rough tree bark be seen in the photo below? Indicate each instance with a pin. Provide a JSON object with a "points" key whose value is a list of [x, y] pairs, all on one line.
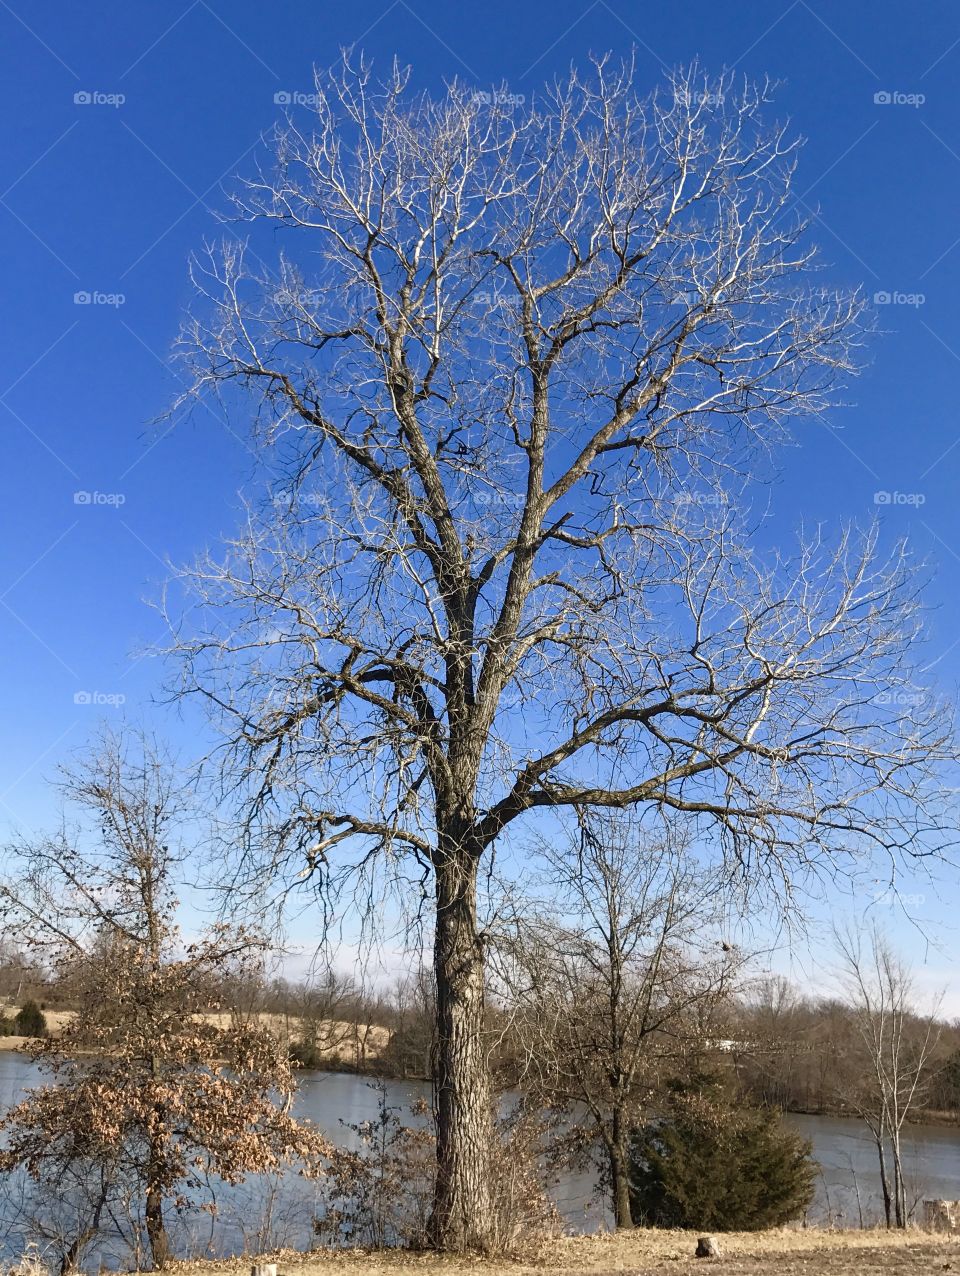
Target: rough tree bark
{"points": [[463, 1100], [156, 1226], [620, 1172], [884, 1181]]}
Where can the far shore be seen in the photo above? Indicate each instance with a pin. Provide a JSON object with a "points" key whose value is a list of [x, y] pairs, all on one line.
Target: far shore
{"points": [[342, 1045], [15, 1043]]}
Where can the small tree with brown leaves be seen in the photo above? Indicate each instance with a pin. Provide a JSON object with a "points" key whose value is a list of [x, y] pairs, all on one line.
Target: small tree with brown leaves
{"points": [[148, 1094]]}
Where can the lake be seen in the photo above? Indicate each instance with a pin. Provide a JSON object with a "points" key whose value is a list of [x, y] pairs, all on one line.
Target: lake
{"points": [[265, 1214]]}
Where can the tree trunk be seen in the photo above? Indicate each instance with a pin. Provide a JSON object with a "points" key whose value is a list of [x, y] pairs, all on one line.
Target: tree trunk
{"points": [[461, 1214], [884, 1181], [899, 1187], [156, 1228], [620, 1173]]}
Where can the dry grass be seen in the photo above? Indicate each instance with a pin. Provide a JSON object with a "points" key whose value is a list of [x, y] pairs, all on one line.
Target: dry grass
{"points": [[336, 1039], [13, 1043], [808, 1252]]}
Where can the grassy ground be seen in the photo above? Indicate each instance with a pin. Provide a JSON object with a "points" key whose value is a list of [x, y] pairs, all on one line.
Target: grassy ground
{"points": [[649, 1253]]}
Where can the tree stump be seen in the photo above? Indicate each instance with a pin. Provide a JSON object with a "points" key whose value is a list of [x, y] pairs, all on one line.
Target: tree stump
{"points": [[707, 1247], [263, 1269]]}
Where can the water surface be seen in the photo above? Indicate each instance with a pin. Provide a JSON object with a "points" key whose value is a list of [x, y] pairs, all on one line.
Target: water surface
{"points": [[269, 1213]]}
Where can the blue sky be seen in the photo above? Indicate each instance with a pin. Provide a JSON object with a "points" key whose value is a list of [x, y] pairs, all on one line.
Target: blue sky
{"points": [[107, 197]]}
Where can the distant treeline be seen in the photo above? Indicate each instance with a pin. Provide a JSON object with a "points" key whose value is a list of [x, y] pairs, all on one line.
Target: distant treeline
{"points": [[804, 1054], [785, 1049]]}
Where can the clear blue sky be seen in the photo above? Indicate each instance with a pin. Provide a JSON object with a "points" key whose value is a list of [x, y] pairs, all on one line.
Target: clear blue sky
{"points": [[103, 198]]}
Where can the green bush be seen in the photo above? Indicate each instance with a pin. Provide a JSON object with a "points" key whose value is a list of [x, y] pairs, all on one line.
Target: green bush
{"points": [[7, 1027], [710, 1166], [30, 1021]]}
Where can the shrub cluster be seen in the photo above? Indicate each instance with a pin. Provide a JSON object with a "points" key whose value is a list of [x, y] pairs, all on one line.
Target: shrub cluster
{"points": [[30, 1021], [707, 1165]]}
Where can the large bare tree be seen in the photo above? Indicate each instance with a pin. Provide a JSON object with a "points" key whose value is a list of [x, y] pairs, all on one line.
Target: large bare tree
{"points": [[508, 374]]}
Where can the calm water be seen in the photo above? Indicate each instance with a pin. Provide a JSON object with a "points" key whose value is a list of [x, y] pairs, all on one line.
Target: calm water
{"points": [[268, 1214], [848, 1162]]}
